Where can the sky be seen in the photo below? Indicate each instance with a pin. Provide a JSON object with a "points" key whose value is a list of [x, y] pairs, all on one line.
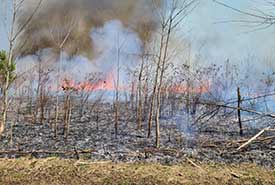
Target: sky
{"points": [[213, 40], [218, 40]]}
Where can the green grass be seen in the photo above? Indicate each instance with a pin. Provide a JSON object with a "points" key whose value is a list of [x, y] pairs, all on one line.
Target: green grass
{"points": [[54, 171]]}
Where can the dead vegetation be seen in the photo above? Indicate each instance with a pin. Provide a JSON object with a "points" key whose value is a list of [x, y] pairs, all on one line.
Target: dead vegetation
{"points": [[55, 171]]}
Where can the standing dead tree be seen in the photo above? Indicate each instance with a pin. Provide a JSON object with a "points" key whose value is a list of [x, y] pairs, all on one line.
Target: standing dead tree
{"points": [[239, 110], [119, 48], [68, 89], [14, 32], [43, 72], [86, 89], [139, 98], [60, 38], [171, 16]]}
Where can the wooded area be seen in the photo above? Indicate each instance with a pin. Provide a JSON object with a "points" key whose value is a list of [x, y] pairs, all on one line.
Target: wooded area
{"points": [[169, 109]]}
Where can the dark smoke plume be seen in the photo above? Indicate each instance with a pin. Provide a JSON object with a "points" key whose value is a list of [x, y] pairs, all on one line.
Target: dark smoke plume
{"points": [[56, 18]]}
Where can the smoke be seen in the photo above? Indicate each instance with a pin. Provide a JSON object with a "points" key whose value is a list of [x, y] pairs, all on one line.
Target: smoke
{"points": [[116, 46], [114, 43], [57, 19]]}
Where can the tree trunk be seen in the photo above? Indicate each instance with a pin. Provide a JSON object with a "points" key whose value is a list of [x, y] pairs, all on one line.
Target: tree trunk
{"points": [[152, 102], [139, 104], [239, 111], [159, 89], [6, 89], [157, 121], [56, 116]]}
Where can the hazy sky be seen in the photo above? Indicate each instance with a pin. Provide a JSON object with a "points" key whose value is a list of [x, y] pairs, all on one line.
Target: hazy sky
{"points": [[229, 40], [217, 40]]}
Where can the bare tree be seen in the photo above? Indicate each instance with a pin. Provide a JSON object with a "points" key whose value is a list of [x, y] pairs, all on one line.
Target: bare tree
{"points": [[14, 31], [59, 38], [86, 89], [171, 17], [139, 98], [117, 82], [43, 71], [68, 89]]}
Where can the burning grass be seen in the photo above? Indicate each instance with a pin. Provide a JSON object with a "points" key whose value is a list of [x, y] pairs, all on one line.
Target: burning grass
{"points": [[59, 171]]}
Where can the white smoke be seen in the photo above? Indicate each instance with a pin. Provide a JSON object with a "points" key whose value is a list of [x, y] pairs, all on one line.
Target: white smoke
{"points": [[113, 44]]}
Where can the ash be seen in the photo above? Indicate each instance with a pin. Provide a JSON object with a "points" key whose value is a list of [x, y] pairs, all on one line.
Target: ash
{"points": [[180, 139]]}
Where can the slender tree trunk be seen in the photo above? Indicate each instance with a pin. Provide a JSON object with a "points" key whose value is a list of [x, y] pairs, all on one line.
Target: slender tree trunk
{"points": [[188, 93], [67, 116], [42, 109], [159, 89], [57, 92], [6, 89], [132, 97], [139, 105], [146, 94], [152, 102], [117, 93], [66, 110], [56, 115], [157, 122], [239, 111]]}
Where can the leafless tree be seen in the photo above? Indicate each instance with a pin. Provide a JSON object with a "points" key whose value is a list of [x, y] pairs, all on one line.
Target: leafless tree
{"points": [[14, 31], [171, 16], [86, 89], [44, 71], [139, 94], [117, 81], [59, 38]]}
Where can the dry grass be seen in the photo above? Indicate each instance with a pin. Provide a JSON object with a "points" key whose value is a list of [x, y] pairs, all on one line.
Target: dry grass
{"points": [[53, 171]]}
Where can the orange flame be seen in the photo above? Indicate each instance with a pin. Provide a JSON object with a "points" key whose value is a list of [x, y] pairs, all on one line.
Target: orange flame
{"points": [[109, 85], [181, 89]]}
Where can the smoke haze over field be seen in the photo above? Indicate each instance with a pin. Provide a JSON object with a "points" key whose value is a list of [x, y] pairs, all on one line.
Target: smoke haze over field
{"points": [[109, 39], [56, 19], [215, 42]]}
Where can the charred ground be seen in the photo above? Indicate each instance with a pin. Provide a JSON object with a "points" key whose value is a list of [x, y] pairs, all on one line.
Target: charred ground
{"points": [[92, 136]]}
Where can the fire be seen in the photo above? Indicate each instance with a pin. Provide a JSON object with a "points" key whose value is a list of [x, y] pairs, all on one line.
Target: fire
{"points": [[100, 85], [109, 85], [180, 89], [86, 86]]}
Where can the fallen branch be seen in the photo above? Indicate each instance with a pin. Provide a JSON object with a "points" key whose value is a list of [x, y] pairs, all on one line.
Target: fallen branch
{"points": [[253, 138], [194, 164], [238, 108], [235, 175]]}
